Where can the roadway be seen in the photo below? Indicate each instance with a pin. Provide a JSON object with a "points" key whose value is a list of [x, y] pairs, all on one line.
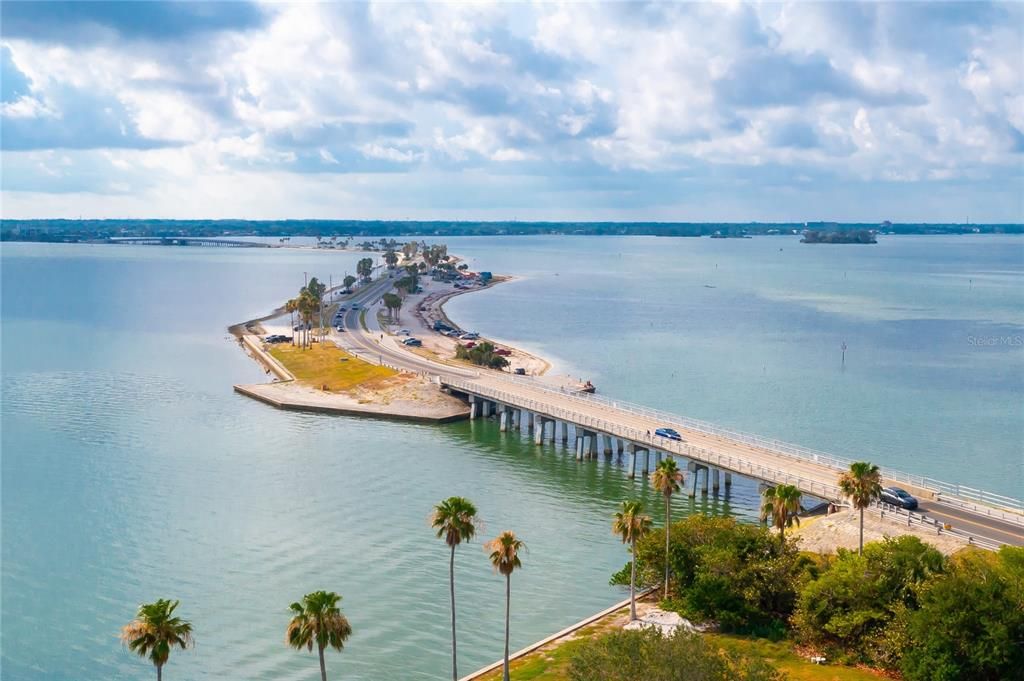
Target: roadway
{"points": [[743, 458]]}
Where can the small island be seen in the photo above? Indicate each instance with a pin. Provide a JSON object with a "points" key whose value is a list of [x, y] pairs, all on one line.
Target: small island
{"points": [[860, 236]]}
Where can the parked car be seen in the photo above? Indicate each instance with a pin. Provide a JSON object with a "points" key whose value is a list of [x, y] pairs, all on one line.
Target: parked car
{"points": [[469, 336], [470, 345], [899, 497], [340, 328], [412, 342], [520, 371], [669, 433], [503, 352], [403, 332]]}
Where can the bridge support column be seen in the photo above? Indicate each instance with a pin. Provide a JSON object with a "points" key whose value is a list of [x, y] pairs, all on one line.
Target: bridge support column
{"points": [[579, 448], [565, 432], [592, 449], [607, 440], [588, 445], [538, 431], [714, 480], [486, 408], [657, 459], [503, 420], [647, 462], [631, 451], [728, 481], [704, 482], [694, 469], [474, 407]]}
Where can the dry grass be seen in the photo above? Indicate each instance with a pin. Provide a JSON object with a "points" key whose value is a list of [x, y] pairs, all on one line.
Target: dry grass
{"points": [[325, 364]]}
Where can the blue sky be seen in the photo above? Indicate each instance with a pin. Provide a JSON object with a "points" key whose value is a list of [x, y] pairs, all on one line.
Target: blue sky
{"points": [[614, 111]]}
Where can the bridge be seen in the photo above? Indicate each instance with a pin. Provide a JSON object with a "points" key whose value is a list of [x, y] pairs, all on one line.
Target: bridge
{"points": [[187, 241], [592, 425]]}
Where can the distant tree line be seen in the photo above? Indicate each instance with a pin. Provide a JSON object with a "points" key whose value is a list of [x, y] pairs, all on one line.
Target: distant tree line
{"points": [[374, 230], [859, 236]]}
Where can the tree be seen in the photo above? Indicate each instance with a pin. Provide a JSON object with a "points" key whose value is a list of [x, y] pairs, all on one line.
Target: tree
{"points": [[455, 521], [348, 281], [391, 258], [782, 504], [291, 307], [862, 484], [155, 631], [392, 302], [667, 479], [318, 620], [970, 624], [631, 525], [505, 550], [364, 268]]}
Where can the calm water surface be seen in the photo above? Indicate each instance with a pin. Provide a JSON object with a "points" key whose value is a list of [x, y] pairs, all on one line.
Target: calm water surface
{"points": [[130, 471]]}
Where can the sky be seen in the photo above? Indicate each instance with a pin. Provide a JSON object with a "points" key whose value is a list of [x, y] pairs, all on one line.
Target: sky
{"points": [[686, 112]]}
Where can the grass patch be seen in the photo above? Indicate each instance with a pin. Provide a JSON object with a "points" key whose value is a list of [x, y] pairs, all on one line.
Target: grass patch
{"points": [[325, 364]]}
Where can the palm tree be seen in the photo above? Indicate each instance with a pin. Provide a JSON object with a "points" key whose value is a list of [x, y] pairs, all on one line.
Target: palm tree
{"points": [[505, 550], [631, 525], [781, 504], [455, 520], [862, 484], [154, 631], [290, 307], [318, 619], [667, 479]]}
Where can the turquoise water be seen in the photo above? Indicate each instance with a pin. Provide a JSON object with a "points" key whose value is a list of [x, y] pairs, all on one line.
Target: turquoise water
{"points": [[130, 471]]}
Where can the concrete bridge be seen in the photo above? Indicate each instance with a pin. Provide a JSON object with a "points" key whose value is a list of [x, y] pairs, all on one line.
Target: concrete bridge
{"points": [[187, 241], [594, 425]]}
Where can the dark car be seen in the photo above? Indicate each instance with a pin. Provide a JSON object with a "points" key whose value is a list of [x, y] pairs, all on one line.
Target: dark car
{"points": [[669, 433], [520, 371], [899, 497]]}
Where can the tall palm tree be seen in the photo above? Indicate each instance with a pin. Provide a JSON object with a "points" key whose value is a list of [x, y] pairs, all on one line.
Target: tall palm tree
{"points": [[291, 307], [667, 479], [862, 484], [455, 521], [505, 550], [631, 525], [318, 620], [782, 504], [155, 630]]}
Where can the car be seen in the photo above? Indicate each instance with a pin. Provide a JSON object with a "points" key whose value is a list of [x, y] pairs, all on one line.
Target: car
{"points": [[342, 309], [470, 345], [899, 497], [403, 332], [276, 338], [503, 352], [355, 306], [340, 328], [469, 336], [412, 342], [520, 371], [668, 433]]}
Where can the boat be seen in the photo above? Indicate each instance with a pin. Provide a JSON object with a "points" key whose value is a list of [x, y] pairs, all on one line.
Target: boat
{"points": [[588, 387]]}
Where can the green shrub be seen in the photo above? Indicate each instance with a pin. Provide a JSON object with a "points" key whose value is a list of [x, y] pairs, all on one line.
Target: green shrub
{"points": [[737, 575], [971, 621], [647, 655], [850, 608]]}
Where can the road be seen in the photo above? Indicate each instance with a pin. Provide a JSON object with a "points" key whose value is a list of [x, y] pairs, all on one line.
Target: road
{"points": [[745, 458]]}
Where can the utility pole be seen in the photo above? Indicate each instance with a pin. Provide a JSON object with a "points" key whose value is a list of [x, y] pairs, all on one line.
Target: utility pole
{"points": [[844, 353]]}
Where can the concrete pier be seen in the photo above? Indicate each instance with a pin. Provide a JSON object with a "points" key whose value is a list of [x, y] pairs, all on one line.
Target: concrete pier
{"points": [[579, 448], [503, 419], [631, 452], [715, 473], [647, 462]]}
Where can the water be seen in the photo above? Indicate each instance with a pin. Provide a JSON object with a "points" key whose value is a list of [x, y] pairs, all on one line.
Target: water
{"points": [[130, 470]]}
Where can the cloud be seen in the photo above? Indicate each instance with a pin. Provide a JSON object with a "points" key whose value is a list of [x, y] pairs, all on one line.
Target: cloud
{"points": [[669, 111]]}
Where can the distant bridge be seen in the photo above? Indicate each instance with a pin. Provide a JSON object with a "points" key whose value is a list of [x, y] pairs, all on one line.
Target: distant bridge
{"points": [[187, 241]]}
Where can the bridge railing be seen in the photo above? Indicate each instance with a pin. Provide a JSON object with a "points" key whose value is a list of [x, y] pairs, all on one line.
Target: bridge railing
{"points": [[699, 454], [922, 520], [994, 505]]}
